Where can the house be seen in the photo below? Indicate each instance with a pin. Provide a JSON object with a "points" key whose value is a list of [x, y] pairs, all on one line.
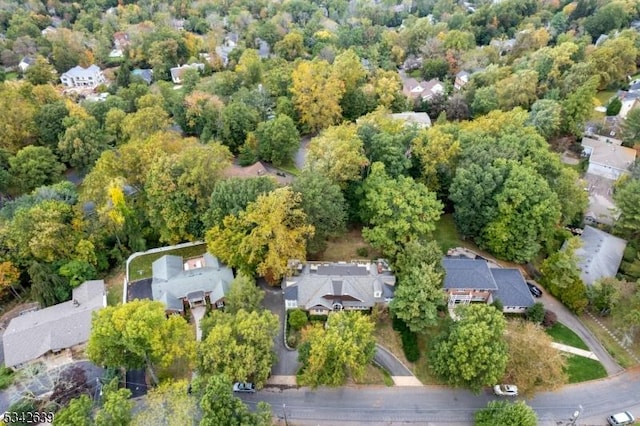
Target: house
{"points": [[53, 330], [120, 44], [421, 90], [600, 254], [469, 280], [177, 281], [324, 287], [145, 74], [26, 62], [83, 77], [634, 86], [178, 24], [462, 78], [607, 157], [601, 39], [412, 63], [257, 169], [177, 72], [264, 50], [503, 46], [420, 119], [630, 100]]}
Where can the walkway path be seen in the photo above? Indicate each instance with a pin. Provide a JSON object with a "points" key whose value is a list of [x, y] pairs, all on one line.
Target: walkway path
{"points": [[197, 314], [575, 351]]}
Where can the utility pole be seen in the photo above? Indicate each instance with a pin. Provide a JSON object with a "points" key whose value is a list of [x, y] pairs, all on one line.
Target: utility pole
{"points": [[284, 411], [575, 415]]}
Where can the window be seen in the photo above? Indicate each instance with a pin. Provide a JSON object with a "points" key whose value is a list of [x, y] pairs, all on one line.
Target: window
{"points": [[291, 304]]}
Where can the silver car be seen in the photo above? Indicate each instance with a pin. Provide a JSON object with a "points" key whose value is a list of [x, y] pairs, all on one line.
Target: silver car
{"points": [[244, 387], [505, 390], [624, 418]]}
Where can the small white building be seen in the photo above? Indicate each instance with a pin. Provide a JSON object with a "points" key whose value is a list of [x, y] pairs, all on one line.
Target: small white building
{"points": [[176, 72], [83, 77], [25, 63]]}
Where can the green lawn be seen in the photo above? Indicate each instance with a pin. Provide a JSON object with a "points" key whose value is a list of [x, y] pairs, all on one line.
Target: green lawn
{"points": [[604, 96], [562, 334], [446, 233], [140, 267], [11, 76], [581, 369]]}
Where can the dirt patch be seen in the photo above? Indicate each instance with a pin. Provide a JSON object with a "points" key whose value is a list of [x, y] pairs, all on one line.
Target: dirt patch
{"points": [[348, 247]]}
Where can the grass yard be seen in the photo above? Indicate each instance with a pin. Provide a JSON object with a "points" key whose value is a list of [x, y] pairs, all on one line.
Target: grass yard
{"points": [[346, 248], [422, 368], [447, 235], [604, 96], [290, 168], [562, 334], [140, 267], [581, 369], [374, 375], [386, 336], [614, 349], [114, 283], [11, 76]]}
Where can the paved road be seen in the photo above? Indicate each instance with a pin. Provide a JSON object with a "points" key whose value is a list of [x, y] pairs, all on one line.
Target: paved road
{"points": [[301, 154], [389, 361], [441, 405], [567, 318]]}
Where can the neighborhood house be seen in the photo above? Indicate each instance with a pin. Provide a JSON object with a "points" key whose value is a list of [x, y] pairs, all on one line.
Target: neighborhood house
{"points": [[473, 281], [600, 254], [607, 157], [53, 330], [177, 72], [177, 281], [323, 287], [83, 77]]}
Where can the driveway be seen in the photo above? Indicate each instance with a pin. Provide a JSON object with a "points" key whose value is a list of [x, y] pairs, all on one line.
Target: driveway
{"points": [[287, 364], [566, 317], [301, 154]]}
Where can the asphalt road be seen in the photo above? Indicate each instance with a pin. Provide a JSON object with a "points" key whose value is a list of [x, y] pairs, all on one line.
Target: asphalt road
{"points": [[390, 363], [442, 405]]}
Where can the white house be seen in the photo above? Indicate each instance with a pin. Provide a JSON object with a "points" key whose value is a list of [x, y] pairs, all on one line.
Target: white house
{"points": [[83, 77], [176, 72], [25, 63], [607, 157]]}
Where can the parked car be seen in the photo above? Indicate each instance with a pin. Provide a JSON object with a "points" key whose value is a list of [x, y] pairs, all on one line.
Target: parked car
{"points": [[534, 289], [505, 390], [244, 387], [624, 418]]}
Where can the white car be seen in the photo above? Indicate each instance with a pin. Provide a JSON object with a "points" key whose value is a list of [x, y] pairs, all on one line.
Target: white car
{"points": [[505, 390], [244, 387], [624, 418]]}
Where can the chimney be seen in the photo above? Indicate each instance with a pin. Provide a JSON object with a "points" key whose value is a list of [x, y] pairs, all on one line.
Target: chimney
{"points": [[76, 303]]}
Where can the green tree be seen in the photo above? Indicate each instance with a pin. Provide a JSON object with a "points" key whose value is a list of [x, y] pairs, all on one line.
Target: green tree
{"points": [[472, 352], [278, 140], [325, 207], [244, 294], [116, 406], [238, 120], [418, 295], [238, 345], [535, 313], [561, 276], [348, 68], [505, 413], [49, 123], [34, 166], [77, 272], [578, 106], [343, 349], [272, 230], [77, 413], [221, 408], [631, 128], [614, 106], [297, 319], [604, 295], [546, 117], [145, 122], [394, 221], [249, 67], [82, 143], [435, 68], [627, 198], [612, 16], [138, 334], [231, 196], [169, 404], [337, 153], [485, 100], [41, 72], [47, 287]]}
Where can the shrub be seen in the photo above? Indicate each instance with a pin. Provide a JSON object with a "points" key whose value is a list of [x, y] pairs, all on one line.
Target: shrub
{"points": [[409, 340], [362, 251], [497, 303], [550, 318], [292, 340], [6, 377], [614, 106], [297, 319], [317, 318], [536, 313]]}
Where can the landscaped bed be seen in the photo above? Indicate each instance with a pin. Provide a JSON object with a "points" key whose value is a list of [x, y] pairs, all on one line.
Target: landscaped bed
{"points": [[140, 267]]}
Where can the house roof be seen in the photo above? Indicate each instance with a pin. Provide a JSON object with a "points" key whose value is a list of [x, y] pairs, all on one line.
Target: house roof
{"points": [[257, 169], [610, 153], [467, 273], [351, 284], [512, 288], [28, 60], [414, 88], [600, 255], [634, 87], [60, 326], [419, 118], [145, 74], [176, 72], [79, 71], [173, 282]]}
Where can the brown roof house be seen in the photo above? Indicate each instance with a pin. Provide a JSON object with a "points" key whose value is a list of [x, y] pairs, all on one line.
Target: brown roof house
{"points": [[177, 281], [422, 90], [324, 287], [55, 329]]}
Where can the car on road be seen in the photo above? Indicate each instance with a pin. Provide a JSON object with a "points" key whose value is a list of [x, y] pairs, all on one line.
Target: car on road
{"points": [[534, 289], [624, 418], [244, 387], [505, 390]]}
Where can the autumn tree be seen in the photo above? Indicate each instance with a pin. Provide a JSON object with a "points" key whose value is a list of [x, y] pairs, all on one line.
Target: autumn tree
{"points": [[316, 95], [546, 117], [534, 365], [145, 122], [233, 195], [627, 198], [238, 345], [337, 153], [278, 140], [41, 72], [139, 334], [169, 404], [34, 166], [438, 152], [261, 239], [473, 351], [506, 413], [561, 276], [243, 294], [325, 207], [77, 413], [578, 106], [342, 349], [116, 405], [631, 128], [9, 276], [238, 120], [394, 221]]}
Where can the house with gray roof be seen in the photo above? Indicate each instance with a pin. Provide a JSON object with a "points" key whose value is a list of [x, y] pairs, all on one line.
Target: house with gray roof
{"points": [[177, 72], [144, 73], [54, 329], [177, 281], [83, 77], [469, 280], [324, 287], [600, 254]]}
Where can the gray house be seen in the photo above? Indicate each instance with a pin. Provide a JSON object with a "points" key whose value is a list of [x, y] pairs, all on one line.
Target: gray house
{"points": [[600, 254], [473, 281], [53, 330], [177, 280], [323, 287]]}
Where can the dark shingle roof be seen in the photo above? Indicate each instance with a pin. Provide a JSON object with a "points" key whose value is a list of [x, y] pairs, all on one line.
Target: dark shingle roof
{"points": [[467, 273], [512, 289]]}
